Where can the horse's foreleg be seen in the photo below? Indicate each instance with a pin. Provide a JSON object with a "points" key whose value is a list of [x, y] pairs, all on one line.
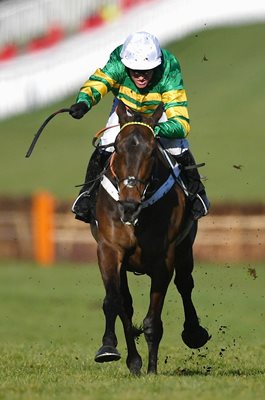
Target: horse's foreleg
{"points": [[109, 267], [117, 302], [134, 361], [111, 305], [153, 326], [193, 335]]}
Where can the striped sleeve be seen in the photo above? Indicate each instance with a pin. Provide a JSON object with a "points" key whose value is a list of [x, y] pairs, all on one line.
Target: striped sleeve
{"points": [[101, 82], [175, 104], [96, 87]]}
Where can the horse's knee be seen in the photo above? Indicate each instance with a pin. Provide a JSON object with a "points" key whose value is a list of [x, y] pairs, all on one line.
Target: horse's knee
{"points": [[128, 305], [112, 304], [153, 329], [184, 282]]}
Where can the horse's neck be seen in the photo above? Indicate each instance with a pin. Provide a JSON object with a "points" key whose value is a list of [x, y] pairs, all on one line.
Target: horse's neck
{"points": [[160, 172], [162, 165]]}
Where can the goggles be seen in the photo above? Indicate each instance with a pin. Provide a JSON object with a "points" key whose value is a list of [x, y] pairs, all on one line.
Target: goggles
{"points": [[141, 72]]}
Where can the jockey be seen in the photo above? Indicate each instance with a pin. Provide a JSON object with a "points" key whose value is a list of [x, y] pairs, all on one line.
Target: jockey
{"points": [[142, 75]]}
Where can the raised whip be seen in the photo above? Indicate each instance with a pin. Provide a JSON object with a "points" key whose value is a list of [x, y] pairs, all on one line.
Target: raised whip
{"points": [[37, 135]]}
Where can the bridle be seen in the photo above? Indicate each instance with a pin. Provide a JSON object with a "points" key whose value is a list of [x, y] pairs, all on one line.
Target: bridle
{"points": [[130, 182], [138, 123]]}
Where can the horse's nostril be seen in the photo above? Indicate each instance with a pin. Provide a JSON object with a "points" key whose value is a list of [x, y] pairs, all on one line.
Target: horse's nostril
{"points": [[128, 206]]}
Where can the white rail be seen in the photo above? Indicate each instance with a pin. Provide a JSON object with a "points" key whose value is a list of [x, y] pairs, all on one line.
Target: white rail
{"points": [[33, 80]]}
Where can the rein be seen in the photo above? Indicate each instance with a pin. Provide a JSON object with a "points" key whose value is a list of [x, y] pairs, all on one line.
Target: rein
{"points": [[98, 135], [113, 189], [130, 181]]}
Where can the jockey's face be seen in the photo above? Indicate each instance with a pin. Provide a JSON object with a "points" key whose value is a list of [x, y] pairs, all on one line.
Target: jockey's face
{"points": [[141, 78]]}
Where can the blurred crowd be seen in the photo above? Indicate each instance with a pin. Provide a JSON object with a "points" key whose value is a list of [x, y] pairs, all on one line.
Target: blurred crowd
{"points": [[33, 25]]}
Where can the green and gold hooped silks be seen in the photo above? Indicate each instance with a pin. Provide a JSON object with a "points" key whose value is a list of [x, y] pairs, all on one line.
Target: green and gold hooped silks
{"points": [[167, 87]]}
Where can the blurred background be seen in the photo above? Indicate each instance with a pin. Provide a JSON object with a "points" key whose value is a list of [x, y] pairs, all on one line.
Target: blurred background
{"points": [[48, 48]]}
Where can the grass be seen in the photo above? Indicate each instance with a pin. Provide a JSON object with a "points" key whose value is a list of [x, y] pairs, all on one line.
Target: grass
{"points": [[52, 325], [223, 75]]}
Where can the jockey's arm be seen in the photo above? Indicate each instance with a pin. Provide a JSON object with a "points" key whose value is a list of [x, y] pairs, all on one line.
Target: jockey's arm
{"points": [[101, 82], [175, 102], [177, 124]]}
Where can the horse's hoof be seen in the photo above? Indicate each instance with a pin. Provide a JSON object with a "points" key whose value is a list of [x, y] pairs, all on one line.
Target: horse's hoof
{"points": [[107, 354], [195, 338], [134, 365]]}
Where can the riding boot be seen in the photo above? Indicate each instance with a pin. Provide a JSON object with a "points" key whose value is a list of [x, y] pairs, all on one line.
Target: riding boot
{"points": [[85, 204], [199, 202]]}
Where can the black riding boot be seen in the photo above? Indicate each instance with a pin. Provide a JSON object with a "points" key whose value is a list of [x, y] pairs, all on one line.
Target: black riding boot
{"points": [[199, 201], [84, 205]]}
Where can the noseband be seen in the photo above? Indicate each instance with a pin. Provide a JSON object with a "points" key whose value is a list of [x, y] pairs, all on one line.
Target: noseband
{"points": [[131, 182]]}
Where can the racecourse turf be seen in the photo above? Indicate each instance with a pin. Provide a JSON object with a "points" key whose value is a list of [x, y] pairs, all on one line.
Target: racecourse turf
{"points": [[223, 71], [52, 324]]}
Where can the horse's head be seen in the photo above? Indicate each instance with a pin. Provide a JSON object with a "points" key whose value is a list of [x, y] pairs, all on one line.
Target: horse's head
{"points": [[133, 160]]}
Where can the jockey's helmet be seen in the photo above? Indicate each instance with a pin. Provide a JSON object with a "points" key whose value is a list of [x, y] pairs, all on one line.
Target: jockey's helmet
{"points": [[141, 51]]}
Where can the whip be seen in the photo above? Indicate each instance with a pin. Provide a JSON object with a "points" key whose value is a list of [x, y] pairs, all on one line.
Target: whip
{"points": [[37, 135]]}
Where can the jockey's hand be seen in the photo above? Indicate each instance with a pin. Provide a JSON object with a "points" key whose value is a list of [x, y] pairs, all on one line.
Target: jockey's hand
{"points": [[78, 110]]}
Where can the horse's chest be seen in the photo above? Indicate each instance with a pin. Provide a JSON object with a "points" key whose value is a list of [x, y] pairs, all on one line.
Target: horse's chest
{"points": [[146, 253]]}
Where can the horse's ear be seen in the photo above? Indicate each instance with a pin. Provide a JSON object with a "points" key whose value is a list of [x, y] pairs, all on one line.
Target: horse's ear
{"points": [[157, 114], [122, 113]]}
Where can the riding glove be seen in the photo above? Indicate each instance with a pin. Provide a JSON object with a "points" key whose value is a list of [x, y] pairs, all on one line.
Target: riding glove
{"points": [[78, 110]]}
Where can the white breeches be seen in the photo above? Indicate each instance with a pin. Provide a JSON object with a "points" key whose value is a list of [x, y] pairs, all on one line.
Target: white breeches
{"points": [[173, 146]]}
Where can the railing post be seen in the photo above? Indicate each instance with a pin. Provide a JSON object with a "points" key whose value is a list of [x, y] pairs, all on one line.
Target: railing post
{"points": [[43, 228]]}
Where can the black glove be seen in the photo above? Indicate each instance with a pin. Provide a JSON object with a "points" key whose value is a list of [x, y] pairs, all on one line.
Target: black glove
{"points": [[78, 110]]}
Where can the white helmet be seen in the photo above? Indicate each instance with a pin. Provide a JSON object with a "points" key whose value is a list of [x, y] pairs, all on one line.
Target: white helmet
{"points": [[142, 51]]}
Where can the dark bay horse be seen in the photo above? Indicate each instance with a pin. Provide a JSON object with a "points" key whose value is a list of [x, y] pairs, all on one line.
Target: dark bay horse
{"points": [[145, 239]]}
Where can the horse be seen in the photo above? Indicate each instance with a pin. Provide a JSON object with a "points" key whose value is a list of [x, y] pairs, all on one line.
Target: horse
{"points": [[136, 231]]}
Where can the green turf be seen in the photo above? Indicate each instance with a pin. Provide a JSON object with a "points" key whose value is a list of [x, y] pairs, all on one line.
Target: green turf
{"points": [[223, 72], [52, 323]]}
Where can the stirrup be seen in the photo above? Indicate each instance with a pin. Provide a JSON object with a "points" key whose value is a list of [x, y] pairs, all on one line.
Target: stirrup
{"points": [[81, 195], [82, 212]]}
